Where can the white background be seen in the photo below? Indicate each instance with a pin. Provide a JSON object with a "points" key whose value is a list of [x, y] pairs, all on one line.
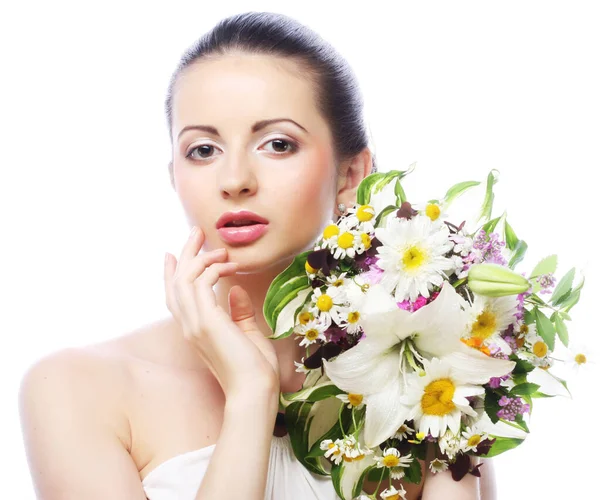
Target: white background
{"points": [[460, 87]]}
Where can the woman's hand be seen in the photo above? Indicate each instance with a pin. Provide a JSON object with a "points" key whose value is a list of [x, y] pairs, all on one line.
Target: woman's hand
{"points": [[232, 345]]}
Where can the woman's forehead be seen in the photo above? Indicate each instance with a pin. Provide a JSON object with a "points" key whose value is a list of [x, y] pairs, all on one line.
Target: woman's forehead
{"points": [[244, 88]]}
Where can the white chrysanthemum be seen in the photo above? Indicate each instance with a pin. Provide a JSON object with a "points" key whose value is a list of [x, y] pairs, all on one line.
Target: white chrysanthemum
{"points": [[433, 210], [352, 400], [580, 358], [313, 330], [328, 305], [333, 450], [300, 368], [392, 493], [338, 280], [438, 465], [471, 438], [362, 217], [412, 256], [394, 461], [403, 432], [438, 399], [449, 444], [491, 316]]}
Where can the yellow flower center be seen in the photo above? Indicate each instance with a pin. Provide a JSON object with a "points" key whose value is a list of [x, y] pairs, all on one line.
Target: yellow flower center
{"points": [[347, 458], [580, 359], [540, 349], [403, 428], [395, 496], [345, 240], [365, 213], [484, 326], [432, 211], [337, 283], [324, 303], [413, 258], [355, 399], [366, 239], [391, 461], [312, 334], [524, 328], [353, 317], [359, 457], [305, 317], [437, 399], [474, 440], [309, 268], [331, 445], [330, 231]]}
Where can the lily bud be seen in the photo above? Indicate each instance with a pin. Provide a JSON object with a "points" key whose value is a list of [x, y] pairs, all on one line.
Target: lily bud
{"points": [[495, 280]]}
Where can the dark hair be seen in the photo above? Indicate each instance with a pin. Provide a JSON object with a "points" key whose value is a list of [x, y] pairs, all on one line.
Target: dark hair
{"points": [[338, 96]]}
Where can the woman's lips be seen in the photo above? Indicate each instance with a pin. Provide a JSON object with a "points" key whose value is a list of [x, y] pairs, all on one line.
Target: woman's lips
{"points": [[242, 234]]}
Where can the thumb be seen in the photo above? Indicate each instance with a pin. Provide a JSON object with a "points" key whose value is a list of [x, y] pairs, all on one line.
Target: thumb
{"points": [[241, 309]]}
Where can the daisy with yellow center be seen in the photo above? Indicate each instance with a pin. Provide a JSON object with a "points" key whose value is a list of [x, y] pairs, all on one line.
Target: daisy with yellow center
{"points": [[438, 465], [392, 493], [490, 317], [471, 438], [352, 400], [394, 461], [438, 399], [312, 331], [412, 256], [403, 432], [329, 305], [580, 358], [362, 217], [334, 451]]}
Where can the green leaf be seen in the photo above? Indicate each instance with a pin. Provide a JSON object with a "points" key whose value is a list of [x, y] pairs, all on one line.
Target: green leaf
{"points": [[336, 477], [518, 254], [524, 389], [491, 405], [563, 286], [296, 420], [316, 393], [509, 236], [361, 480], [545, 266], [383, 213], [503, 444], [399, 192], [287, 291], [545, 328], [456, 190], [413, 472], [490, 225], [567, 301], [374, 183], [522, 366], [488, 202], [561, 330], [538, 394]]}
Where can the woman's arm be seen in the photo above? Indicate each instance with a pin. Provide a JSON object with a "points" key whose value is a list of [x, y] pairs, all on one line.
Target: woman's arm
{"points": [[243, 448], [69, 432]]}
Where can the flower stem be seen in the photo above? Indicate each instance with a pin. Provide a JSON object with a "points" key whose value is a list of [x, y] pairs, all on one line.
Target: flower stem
{"points": [[340, 420]]}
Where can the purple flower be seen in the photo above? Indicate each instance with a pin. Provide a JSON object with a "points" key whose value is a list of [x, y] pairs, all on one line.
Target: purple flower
{"points": [[511, 407], [546, 282]]}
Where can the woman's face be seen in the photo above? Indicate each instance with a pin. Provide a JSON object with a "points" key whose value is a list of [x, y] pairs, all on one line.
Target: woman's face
{"points": [[282, 171]]}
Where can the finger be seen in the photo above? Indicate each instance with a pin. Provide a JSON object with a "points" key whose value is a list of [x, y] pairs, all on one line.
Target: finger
{"points": [[192, 245], [198, 264], [205, 295]]}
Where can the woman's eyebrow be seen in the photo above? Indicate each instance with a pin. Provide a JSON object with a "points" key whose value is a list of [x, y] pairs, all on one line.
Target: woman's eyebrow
{"points": [[255, 128]]}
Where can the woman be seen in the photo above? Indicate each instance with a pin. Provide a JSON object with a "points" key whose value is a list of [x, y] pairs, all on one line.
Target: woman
{"points": [[267, 133]]}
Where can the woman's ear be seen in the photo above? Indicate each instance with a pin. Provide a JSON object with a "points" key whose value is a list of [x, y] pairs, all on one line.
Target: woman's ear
{"points": [[351, 174]]}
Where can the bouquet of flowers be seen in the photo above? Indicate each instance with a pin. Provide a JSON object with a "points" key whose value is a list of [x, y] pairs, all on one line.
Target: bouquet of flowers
{"points": [[420, 337]]}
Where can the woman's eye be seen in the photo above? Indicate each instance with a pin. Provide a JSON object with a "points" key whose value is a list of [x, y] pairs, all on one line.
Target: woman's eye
{"points": [[204, 151], [282, 146]]}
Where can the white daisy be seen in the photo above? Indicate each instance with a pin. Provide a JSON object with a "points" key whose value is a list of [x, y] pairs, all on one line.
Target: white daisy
{"points": [[328, 305], [392, 493], [313, 330], [403, 432], [412, 256], [438, 465], [333, 450], [394, 461], [580, 358], [433, 210], [300, 368], [338, 280], [362, 217], [471, 438], [490, 317], [352, 400], [438, 399], [449, 444]]}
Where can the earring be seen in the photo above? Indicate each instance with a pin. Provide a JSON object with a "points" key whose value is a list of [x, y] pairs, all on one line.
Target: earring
{"points": [[342, 208]]}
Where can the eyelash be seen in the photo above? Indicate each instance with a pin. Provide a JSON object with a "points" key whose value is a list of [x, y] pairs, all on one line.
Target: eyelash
{"points": [[293, 148]]}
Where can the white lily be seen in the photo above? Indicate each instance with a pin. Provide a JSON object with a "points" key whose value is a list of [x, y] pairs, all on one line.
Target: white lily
{"points": [[396, 342]]}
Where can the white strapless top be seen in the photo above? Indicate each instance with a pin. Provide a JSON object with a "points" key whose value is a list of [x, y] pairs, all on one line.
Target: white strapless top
{"points": [[179, 477]]}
